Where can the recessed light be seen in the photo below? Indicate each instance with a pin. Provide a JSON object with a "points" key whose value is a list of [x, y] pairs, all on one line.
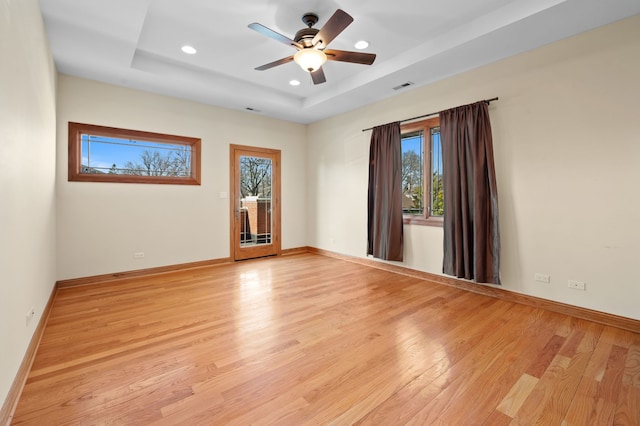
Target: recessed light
{"points": [[361, 44], [189, 50], [294, 83]]}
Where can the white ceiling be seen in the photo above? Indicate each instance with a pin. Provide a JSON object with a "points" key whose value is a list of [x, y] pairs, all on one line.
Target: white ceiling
{"points": [[136, 43]]}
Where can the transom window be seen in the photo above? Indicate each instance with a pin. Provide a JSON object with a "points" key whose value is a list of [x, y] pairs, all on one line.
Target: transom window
{"points": [[107, 154], [423, 190]]}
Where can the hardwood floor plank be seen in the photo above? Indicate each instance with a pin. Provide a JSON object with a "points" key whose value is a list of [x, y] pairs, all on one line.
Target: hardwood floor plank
{"points": [[534, 405], [587, 408], [590, 338], [620, 337], [305, 339], [632, 367], [557, 405], [511, 403], [271, 414], [177, 412], [627, 406], [496, 418], [570, 347], [549, 352], [598, 363], [612, 380]]}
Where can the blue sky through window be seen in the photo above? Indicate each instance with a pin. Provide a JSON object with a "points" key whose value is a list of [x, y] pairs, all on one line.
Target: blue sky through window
{"points": [[436, 161], [412, 143], [102, 153]]}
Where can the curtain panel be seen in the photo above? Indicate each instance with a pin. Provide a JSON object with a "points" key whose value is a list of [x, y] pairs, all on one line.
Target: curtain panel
{"points": [[385, 193], [471, 234]]}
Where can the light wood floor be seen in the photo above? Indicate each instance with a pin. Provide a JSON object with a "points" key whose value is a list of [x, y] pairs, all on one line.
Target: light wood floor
{"points": [[308, 339]]}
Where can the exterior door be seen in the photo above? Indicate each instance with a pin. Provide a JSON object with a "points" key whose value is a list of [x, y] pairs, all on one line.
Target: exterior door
{"points": [[255, 202]]}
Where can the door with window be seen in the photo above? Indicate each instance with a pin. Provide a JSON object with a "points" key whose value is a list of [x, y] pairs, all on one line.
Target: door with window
{"points": [[255, 202]]}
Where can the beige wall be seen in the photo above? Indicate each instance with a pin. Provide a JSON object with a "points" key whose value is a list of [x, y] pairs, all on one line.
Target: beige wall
{"points": [[27, 179], [567, 147], [101, 225]]}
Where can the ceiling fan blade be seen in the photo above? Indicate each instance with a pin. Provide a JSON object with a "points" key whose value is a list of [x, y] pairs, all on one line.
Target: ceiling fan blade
{"points": [[346, 56], [318, 76], [275, 63], [334, 26], [274, 35]]}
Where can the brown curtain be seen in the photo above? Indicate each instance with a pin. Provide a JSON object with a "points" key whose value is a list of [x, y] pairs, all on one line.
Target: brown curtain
{"points": [[385, 193], [471, 235]]}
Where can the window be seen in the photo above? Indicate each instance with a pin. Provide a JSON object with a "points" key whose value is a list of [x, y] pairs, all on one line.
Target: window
{"points": [[423, 190], [107, 154]]}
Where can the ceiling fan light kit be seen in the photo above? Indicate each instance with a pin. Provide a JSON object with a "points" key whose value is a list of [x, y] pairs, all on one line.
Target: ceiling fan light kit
{"points": [[311, 44], [310, 59]]}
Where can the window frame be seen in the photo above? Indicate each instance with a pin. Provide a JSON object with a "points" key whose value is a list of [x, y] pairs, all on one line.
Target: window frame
{"points": [[425, 126], [76, 130]]}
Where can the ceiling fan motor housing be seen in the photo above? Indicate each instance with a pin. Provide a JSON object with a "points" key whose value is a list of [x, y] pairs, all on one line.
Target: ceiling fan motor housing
{"points": [[305, 36]]}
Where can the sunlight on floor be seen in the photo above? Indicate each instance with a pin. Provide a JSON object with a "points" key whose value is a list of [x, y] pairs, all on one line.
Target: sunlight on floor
{"points": [[417, 352], [254, 312]]}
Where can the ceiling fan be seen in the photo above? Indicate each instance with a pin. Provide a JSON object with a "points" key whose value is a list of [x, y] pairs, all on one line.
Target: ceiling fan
{"points": [[312, 45]]}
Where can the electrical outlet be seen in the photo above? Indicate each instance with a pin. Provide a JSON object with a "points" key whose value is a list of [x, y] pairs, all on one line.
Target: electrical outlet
{"points": [[138, 255], [31, 314], [576, 285], [543, 278]]}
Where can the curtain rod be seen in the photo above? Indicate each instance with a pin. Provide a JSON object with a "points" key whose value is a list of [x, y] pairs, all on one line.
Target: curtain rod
{"points": [[488, 101]]}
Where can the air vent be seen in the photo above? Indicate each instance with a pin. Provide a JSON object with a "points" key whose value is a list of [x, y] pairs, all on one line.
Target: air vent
{"points": [[403, 85]]}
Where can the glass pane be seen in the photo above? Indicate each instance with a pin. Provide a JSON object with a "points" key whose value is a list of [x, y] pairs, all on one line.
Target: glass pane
{"points": [[255, 200], [412, 173], [133, 157], [437, 187]]}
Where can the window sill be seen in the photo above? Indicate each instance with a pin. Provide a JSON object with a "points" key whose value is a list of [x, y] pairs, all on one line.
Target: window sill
{"points": [[423, 221], [170, 180]]}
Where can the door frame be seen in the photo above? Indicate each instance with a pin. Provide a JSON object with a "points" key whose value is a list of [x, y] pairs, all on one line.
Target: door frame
{"points": [[261, 250]]}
